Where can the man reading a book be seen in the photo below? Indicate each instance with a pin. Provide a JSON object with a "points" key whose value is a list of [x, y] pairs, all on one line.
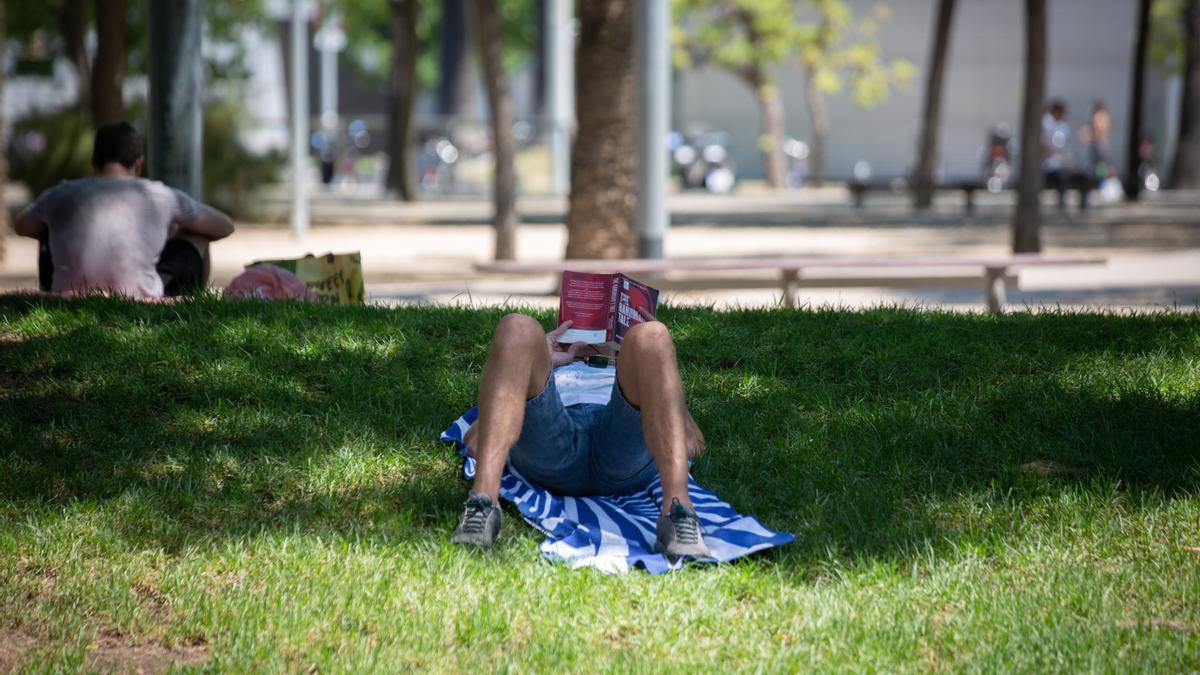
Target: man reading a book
{"points": [[578, 429]]}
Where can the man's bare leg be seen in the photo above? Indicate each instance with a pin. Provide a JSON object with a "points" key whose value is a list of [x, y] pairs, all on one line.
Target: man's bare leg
{"points": [[649, 378], [517, 369]]}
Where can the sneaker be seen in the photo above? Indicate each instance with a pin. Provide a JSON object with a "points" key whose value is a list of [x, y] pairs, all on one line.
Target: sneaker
{"points": [[480, 522], [679, 533]]}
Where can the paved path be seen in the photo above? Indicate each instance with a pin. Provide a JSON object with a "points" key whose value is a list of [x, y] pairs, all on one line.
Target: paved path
{"points": [[424, 252]]}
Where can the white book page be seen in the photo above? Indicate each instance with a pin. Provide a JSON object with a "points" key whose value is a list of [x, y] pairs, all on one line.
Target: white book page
{"points": [[592, 337]]}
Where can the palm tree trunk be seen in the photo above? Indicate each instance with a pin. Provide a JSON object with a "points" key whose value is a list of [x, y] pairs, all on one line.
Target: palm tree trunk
{"points": [[504, 189], [603, 159], [932, 112], [770, 141], [401, 171], [1133, 182], [108, 72], [1185, 170], [1027, 225], [818, 119]]}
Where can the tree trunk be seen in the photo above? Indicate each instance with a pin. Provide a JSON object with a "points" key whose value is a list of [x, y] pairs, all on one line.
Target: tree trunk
{"points": [[108, 72], [927, 153], [454, 89], [72, 24], [603, 159], [3, 145], [401, 171], [1185, 170], [504, 189], [1027, 225], [1133, 181], [770, 110], [818, 119]]}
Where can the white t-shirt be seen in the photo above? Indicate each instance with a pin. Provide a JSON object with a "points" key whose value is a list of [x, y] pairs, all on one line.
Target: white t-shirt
{"points": [[106, 232], [581, 383]]}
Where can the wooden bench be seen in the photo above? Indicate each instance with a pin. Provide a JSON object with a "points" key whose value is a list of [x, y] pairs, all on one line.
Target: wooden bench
{"points": [[1077, 181], [990, 273], [968, 186]]}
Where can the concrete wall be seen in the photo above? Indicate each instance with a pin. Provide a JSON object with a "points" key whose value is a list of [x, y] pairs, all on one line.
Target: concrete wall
{"points": [[1090, 48]]}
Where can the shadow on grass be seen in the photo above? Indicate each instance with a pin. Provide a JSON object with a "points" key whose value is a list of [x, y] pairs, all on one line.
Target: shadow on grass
{"points": [[867, 433], [225, 419]]}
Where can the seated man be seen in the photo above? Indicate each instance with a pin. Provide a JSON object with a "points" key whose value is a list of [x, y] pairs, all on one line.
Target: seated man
{"points": [[581, 430], [116, 232]]}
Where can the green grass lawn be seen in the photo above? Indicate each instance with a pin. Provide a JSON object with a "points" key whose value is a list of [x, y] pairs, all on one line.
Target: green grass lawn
{"points": [[237, 486]]}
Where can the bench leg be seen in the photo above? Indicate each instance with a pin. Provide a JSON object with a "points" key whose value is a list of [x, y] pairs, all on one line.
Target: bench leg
{"points": [[791, 283], [994, 288]]}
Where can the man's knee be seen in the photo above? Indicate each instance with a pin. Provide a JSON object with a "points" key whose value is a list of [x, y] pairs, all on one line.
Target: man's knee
{"points": [[649, 337], [515, 330]]}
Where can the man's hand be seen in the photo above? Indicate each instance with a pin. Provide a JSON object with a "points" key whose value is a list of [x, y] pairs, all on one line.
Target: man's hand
{"points": [[693, 438], [560, 355]]}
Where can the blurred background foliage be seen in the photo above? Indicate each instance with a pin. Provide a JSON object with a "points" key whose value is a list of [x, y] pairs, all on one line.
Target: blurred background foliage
{"points": [[368, 25], [50, 147], [1167, 35]]}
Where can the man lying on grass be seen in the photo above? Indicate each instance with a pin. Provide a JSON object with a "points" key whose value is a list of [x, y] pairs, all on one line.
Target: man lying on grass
{"points": [[116, 232], [582, 430]]}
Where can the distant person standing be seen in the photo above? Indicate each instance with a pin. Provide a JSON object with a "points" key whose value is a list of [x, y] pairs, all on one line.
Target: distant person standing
{"points": [[1096, 136], [116, 232], [1056, 162]]}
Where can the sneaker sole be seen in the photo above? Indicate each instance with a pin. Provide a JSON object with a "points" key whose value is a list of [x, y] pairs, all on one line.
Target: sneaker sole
{"points": [[704, 555]]}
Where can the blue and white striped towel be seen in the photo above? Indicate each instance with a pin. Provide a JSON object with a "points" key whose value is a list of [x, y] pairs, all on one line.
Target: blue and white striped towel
{"points": [[616, 534]]}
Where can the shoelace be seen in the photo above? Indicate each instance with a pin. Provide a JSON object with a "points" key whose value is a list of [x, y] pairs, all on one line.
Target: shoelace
{"points": [[687, 526], [474, 516]]}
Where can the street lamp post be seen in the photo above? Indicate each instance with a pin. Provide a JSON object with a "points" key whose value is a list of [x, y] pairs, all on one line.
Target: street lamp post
{"points": [[329, 40], [299, 150], [560, 75], [654, 111]]}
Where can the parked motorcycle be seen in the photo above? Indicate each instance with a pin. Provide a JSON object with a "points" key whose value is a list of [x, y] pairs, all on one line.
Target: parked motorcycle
{"points": [[1148, 162], [703, 161], [436, 165], [795, 153]]}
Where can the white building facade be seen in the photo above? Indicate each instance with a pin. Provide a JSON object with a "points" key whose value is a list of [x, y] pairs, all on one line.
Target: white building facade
{"points": [[1090, 58]]}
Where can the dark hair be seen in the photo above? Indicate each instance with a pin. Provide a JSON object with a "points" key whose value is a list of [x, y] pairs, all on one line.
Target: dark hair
{"points": [[1057, 106], [117, 142]]}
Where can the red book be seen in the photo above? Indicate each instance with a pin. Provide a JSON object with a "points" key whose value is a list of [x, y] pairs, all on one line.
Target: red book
{"points": [[602, 307]]}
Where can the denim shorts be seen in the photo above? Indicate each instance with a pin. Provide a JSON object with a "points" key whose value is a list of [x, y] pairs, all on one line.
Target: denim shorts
{"points": [[584, 449]]}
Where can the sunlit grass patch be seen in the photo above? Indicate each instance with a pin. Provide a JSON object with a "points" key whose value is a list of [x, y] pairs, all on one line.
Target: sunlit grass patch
{"points": [[249, 486]]}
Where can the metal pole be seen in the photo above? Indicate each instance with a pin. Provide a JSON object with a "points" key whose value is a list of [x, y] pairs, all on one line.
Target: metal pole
{"points": [[329, 92], [560, 73], [654, 113], [330, 40], [299, 38], [175, 131]]}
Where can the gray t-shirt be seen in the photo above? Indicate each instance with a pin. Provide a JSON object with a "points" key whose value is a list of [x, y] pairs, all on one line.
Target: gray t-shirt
{"points": [[106, 232]]}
